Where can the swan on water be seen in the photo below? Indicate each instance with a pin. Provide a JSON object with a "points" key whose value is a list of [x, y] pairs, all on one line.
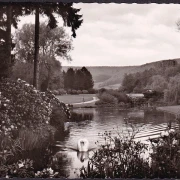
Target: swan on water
{"points": [[83, 145]]}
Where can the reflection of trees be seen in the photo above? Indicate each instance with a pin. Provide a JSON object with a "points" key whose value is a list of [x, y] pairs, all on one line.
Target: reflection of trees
{"points": [[104, 113], [157, 117], [146, 117], [81, 116], [113, 110], [61, 134]]}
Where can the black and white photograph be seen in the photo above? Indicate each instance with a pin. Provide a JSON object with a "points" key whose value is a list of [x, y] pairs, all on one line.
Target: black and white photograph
{"points": [[89, 90]]}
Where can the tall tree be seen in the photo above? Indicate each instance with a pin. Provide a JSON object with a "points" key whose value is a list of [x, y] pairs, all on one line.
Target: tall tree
{"points": [[79, 80], [69, 79], [88, 80], [53, 45], [69, 16], [8, 40], [9, 13], [36, 52]]}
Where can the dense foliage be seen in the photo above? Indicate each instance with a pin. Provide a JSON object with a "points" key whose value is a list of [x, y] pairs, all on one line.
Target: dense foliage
{"points": [[10, 14], [118, 157], [27, 119], [24, 106], [78, 79], [112, 97], [53, 44], [165, 155], [122, 157], [164, 78]]}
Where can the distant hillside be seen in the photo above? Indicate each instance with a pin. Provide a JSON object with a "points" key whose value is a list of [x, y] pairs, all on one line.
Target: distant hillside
{"points": [[102, 73], [112, 76]]}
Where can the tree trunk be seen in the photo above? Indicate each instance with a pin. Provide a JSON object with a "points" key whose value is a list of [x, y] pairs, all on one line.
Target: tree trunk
{"points": [[49, 76], [8, 39], [36, 52]]}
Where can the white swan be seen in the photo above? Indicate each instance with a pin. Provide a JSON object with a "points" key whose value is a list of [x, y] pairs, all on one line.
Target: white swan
{"points": [[83, 145]]}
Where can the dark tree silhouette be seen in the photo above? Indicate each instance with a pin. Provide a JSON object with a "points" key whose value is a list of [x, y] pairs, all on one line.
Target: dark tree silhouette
{"points": [[88, 80], [69, 79], [79, 79], [9, 13], [12, 11]]}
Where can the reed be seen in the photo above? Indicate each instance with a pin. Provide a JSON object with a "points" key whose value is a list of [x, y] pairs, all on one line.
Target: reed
{"points": [[35, 139]]}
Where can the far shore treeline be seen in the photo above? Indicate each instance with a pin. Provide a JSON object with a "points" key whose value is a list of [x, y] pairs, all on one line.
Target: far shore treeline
{"points": [[163, 78], [78, 79]]}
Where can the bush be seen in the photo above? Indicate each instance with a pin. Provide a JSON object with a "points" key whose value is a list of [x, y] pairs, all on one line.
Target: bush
{"points": [[107, 98], [165, 154], [122, 157], [73, 92], [69, 91], [26, 117], [79, 92], [55, 92], [24, 169], [62, 91], [84, 91], [91, 91], [24, 106], [122, 97], [117, 158]]}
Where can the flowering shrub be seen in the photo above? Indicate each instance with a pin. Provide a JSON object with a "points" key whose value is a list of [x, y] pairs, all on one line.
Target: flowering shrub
{"points": [[124, 158], [20, 169], [117, 158], [46, 173], [22, 105], [24, 169], [9, 149], [165, 155]]}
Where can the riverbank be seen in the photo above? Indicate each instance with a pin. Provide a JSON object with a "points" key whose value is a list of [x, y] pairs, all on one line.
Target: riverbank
{"points": [[175, 110], [79, 101]]}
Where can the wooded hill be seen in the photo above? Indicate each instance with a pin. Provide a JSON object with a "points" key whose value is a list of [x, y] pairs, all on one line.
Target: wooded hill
{"points": [[112, 76]]}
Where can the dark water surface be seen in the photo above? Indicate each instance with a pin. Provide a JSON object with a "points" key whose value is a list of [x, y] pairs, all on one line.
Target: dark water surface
{"points": [[101, 120], [88, 123]]}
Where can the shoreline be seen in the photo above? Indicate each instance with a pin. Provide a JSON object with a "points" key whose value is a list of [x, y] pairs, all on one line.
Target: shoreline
{"points": [[175, 109]]}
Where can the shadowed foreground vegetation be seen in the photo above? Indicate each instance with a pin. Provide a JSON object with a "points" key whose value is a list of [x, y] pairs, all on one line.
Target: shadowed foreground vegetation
{"points": [[29, 120], [122, 157]]}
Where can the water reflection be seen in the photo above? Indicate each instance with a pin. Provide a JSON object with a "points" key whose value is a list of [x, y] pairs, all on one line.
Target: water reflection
{"points": [[88, 123], [82, 156], [75, 116]]}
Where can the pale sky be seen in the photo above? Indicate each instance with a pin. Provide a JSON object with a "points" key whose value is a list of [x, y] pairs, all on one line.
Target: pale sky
{"points": [[125, 34]]}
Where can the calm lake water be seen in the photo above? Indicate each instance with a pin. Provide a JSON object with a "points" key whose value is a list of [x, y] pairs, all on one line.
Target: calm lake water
{"points": [[68, 161]]}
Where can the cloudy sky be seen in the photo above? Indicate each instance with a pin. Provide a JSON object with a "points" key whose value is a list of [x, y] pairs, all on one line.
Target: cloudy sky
{"points": [[126, 34]]}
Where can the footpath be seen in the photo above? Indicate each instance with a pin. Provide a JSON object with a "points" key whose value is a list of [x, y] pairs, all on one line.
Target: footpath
{"points": [[90, 103]]}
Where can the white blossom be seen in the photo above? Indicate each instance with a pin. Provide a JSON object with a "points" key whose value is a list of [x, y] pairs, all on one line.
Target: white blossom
{"points": [[171, 131], [21, 165], [27, 85], [50, 170], [164, 133]]}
